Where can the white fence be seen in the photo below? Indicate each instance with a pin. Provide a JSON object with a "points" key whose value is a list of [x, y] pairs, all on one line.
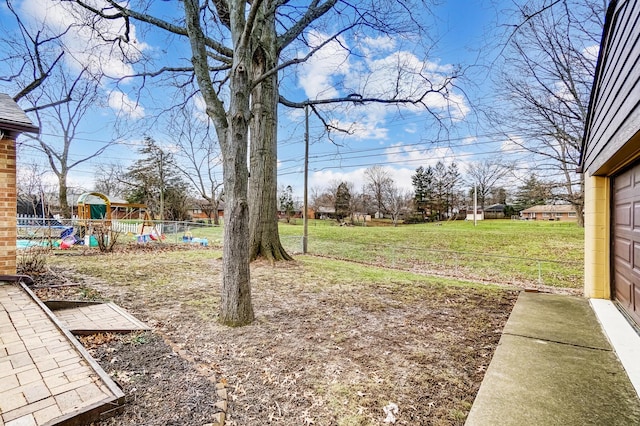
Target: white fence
{"points": [[37, 228]]}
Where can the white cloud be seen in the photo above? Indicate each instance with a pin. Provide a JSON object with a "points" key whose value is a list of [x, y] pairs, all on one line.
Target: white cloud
{"points": [[413, 155], [322, 178], [591, 52], [316, 75], [512, 145], [371, 45], [83, 48], [123, 105], [378, 72], [200, 111], [411, 128]]}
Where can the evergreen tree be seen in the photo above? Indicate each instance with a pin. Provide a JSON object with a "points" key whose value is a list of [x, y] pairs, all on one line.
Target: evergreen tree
{"points": [[343, 201], [155, 181], [423, 189], [532, 193], [286, 202]]}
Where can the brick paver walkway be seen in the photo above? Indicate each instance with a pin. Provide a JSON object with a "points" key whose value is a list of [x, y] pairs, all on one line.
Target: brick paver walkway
{"points": [[44, 377], [98, 318]]}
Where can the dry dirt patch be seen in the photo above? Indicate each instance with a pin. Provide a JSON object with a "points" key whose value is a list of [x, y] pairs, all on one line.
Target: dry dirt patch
{"points": [[333, 343]]}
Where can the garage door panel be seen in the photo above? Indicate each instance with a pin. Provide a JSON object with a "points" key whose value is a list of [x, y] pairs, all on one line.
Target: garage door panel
{"points": [[623, 289], [623, 182], [622, 250], [623, 216], [636, 216], [625, 262]]}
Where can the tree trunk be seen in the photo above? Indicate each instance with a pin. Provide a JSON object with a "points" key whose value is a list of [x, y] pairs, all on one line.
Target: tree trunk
{"points": [[235, 307], [65, 211], [232, 128], [263, 221]]}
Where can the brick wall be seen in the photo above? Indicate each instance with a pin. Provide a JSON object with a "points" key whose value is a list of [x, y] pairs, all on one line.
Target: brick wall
{"points": [[8, 206]]}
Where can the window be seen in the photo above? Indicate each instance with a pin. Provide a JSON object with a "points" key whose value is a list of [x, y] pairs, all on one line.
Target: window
{"points": [[545, 214], [572, 214], [558, 214]]}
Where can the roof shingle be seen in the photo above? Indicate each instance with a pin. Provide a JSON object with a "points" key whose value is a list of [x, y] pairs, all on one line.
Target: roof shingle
{"points": [[13, 118]]}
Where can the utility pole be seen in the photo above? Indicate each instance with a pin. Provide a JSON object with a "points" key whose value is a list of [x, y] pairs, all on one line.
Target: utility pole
{"points": [[354, 97], [305, 219]]}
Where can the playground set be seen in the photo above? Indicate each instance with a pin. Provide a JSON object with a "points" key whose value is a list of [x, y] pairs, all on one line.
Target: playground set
{"points": [[98, 217], [96, 214]]}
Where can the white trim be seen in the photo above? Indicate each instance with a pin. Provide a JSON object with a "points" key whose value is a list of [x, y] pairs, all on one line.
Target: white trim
{"points": [[623, 338]]}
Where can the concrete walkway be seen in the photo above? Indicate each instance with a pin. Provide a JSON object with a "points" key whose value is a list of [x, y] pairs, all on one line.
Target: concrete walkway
{"points": [[555, 366], [46, 377]]}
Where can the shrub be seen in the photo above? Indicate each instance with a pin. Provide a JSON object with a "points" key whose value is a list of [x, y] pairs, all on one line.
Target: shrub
{"points": [[32, 260]]}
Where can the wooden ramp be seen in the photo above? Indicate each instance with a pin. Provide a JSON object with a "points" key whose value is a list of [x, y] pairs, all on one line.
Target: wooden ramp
{"points": [[46, 376]]}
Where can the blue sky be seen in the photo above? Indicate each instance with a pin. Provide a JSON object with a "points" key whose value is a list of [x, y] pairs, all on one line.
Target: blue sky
{"points": [[465, 33]]}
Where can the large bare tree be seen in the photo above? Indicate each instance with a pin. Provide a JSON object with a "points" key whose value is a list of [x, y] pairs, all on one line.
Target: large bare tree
{"points": [[549, 65], [237, 52], [485, 176], [380, 185], [67, 119], [198, 156]]}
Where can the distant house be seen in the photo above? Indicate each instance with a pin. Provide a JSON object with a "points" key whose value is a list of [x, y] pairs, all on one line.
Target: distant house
{"points": [[325, 212], [610, 163], [563, 212], [197, 213], [495, 211], [294, 214], [478, 216]]}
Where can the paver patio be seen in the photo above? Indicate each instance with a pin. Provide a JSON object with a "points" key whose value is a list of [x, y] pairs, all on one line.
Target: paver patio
{"points": [[46, 377], [89, 318]]}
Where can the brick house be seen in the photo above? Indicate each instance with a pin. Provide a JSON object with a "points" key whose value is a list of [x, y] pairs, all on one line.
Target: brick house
{"points": [[13, 121], [562, 212]]}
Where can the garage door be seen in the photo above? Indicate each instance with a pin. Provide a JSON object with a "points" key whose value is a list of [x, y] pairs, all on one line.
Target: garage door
{"points": [[626, 241]]}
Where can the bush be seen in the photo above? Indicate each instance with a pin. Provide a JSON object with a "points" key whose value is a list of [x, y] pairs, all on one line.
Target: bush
{"points": [[417, 218], [32, 260]]}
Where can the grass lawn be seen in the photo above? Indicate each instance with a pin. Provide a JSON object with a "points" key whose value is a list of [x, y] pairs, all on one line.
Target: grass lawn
{"points": [[501, 251], [524, 253], [334, 342], [373, 316]]}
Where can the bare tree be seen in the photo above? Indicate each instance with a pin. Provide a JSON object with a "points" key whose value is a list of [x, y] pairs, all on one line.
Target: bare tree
{"points": [[236, 54], [399, 202], [30, 57], [109, 180], [548, 72], [66, 118], [485, 176], [379, 184], [199, 153], [30, 190]]}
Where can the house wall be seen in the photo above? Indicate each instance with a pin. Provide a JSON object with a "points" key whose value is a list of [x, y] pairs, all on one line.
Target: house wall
{"points": [[614, 112], [597, 231], [563, 217], [8, 206], [612, 137]]}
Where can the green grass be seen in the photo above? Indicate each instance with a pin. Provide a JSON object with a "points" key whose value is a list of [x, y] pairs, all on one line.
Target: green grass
{"points": [[501, 251], [549, 253]]}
